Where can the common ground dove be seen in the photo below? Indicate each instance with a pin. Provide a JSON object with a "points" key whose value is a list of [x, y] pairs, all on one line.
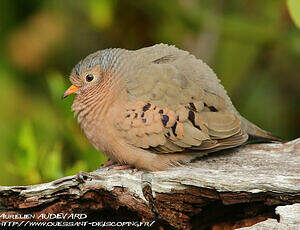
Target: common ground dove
{"points": [[155, 107]]}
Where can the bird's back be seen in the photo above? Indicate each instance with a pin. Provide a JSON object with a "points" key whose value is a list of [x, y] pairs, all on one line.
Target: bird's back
{"points": [[193, 70]]}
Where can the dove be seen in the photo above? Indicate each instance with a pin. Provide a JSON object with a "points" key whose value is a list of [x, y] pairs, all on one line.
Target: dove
{"points": [[155, 108]]}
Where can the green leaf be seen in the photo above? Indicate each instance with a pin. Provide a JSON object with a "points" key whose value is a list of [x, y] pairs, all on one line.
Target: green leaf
{"points": [[294, 9]]}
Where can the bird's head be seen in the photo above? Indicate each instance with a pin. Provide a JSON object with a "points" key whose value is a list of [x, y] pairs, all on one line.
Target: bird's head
{"points": [[95, 81], [94, 73]]}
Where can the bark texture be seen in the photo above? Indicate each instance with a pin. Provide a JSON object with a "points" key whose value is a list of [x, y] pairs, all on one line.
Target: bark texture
{"points": [[225, 190]]}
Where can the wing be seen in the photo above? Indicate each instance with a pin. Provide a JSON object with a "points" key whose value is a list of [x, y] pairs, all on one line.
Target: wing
{"points": [[168, 111]]}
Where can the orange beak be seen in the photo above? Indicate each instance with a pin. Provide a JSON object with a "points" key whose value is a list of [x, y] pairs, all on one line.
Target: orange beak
{"points": [[70, 91]]}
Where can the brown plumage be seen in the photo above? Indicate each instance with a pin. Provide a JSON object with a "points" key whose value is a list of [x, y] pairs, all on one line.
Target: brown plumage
{"points": [[155, 108]]}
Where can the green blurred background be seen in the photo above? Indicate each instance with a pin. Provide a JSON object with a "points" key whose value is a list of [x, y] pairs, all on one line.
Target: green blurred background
{"points": [[253, 46]]}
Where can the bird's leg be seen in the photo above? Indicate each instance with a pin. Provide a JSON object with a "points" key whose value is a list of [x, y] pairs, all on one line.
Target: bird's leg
{"points": [[107, 164], [135, 170], [120, 167]]}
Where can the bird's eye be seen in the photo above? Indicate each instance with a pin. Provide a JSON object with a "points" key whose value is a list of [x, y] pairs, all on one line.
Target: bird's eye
{"points": [[89, 77]]}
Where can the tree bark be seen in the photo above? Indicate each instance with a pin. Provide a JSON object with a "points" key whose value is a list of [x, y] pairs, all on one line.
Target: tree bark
{"points": [[225, 190]]}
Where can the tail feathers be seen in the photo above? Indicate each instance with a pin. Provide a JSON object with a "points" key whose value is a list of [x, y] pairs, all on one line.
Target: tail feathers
{"points": [[257, 133], [267, 137]]}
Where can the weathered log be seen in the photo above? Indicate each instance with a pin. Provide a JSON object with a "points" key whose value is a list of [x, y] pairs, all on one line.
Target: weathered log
{"points": [[289, 218], [225, 190]]}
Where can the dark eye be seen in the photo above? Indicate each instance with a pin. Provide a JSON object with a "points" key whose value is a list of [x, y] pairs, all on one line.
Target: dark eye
{"points": [[89, 77]]}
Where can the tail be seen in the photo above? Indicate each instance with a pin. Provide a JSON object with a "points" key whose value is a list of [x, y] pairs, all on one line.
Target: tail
{"points": [[256, 133]]}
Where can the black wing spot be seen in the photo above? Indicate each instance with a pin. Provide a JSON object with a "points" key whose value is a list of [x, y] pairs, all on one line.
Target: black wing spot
{"points": [[135, 115], [128, 115], [165, 120], [146, 107], [192, 105], [174, 129], [161, 111], [191, 117], [212, 108], [143, 114]]}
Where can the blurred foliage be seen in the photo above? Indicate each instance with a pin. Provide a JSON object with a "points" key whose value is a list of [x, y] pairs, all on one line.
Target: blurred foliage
{"points": [[253, 46], [294, 8]]}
